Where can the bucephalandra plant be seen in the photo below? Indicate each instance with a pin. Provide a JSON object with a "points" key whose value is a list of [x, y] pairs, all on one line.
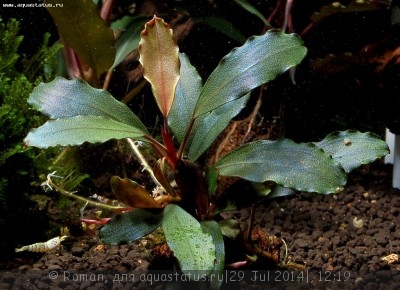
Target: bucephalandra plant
{"points": [[194, 115]]}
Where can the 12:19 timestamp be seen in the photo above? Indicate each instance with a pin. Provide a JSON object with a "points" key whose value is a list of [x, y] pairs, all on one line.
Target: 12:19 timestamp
{"points": [[328, 276]]}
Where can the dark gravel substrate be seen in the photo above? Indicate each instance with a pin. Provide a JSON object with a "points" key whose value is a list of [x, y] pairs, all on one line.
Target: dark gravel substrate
{"points": [[352, 231]]}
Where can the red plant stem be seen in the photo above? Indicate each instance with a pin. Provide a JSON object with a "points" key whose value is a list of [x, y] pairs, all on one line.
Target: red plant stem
{"points": [[251, 222], [75, 66], [106, 9], [172, 159], [161, 150], [71, 61], [157, 146], [307, 29], [275, 11]]}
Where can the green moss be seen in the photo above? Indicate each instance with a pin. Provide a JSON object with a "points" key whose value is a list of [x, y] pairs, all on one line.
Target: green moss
{"points": [[18, 77], [9, 43], [16, 116]]}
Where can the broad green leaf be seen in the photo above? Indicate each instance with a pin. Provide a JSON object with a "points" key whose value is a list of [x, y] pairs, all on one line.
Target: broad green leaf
{"points": [[303, 166], [186, 95], [211, 176], [194, 249], [271, 190], [213, 124], [230, 228], [76, 130], [259, 60], [352, 148], [123, 23], [64, 98], [159, 58], [279, 191], [223, 26], [354, 6], [130, 226], [250, 8], [212, 228], [131, 193], [82, 28], [128, 41]]}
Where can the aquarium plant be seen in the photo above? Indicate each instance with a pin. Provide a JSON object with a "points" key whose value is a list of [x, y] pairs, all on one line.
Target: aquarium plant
{"points": [[187, 204], [18, 76]]}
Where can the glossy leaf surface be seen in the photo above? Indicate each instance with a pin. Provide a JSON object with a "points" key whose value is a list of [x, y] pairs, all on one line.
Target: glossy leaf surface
{"points": [[213, 228], [303, 166], [211, 176], [82, 28], [259, 60], [213, 124], [159, 58], [353, 7], [186, 95], [131, 193], [130, 226], [62, 98], [194, 249], [230, 228], [76, 130], [352, 148]]}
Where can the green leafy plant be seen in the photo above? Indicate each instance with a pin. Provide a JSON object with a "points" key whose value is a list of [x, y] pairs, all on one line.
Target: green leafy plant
{"points": [[195, 114], [16, 116], [20, 166]]}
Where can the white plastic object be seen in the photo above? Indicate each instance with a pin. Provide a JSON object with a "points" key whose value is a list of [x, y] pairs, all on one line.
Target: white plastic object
{"points": [[393, 142]]}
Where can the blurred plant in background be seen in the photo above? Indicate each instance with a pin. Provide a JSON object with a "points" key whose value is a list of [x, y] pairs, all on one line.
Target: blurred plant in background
{"points": [[20, 165], [16, 117]]}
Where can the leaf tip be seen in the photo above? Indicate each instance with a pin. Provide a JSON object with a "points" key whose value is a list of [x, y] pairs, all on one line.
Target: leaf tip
{"points": [[151, 23]]}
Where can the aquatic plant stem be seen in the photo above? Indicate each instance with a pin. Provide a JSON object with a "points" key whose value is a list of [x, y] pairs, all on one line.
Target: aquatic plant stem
{"points": [[251, 222], [287, 25], [107, 79], [143, 161], [254, 113], [49, 183], [134, 92], [185, 139], [61, 155], [171, 156]]}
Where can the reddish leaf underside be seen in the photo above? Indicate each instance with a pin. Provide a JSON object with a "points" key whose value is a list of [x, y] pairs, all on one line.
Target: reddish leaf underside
{"points": [[160, 61]]}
